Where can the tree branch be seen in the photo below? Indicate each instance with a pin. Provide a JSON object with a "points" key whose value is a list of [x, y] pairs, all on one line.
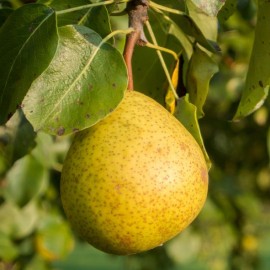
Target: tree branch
{"points": [[138, 14]]}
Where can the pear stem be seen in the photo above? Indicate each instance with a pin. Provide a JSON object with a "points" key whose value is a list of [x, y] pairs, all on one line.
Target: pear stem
{"points": [[138, 14]]}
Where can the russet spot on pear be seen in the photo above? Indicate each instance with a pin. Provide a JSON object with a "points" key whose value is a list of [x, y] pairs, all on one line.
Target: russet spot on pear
{"points": [[134, 180]]}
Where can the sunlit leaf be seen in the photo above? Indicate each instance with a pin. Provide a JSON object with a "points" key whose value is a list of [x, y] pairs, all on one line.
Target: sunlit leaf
{"points": [[200, 71], [210, 7], [207, 24], [84, 82], [258, 76], [186, 113], [28, 40]]}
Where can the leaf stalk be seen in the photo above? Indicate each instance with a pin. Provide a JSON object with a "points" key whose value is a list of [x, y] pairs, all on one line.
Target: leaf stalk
{"points": [[138, 15], [108, 2], [161, 59]]}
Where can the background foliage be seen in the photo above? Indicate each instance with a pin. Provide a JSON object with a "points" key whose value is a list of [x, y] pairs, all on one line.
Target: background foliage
{"points": [[232, 231]]}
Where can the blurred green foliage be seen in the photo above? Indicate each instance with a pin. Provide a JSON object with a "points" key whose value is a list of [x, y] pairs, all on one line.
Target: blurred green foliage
{"points": [[232, 231]]}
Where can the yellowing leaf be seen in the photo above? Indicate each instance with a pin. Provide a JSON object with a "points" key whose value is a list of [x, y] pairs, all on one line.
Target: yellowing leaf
{"points": [[170, 97]]}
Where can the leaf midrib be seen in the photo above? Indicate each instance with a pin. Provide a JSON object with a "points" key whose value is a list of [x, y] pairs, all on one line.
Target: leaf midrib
{"points": [[69, 89]]}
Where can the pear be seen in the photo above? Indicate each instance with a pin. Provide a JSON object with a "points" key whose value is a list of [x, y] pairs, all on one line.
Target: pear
{"points": [[134, 180]]}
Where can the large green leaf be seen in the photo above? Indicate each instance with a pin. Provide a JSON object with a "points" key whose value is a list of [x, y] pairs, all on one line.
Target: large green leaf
{"points": [[186, 113], [28, 40], [200, 71], [258, 76], [84, 82]]}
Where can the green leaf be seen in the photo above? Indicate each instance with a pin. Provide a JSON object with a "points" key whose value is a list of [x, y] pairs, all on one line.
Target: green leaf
{"points": [[70, 17], [4, 13], [186, 113], [186, 45], [188, 25], [16, 139], [8, 250], [208, 25], [54, 239], [85, 81], [96, 18], [26, 180], [227, 10], [50, 149], [210, 7], [258, 76], [28, 40], [185, 247], [37, 263], [192, 27], [85, 257], [17, 222], [200, 71]]}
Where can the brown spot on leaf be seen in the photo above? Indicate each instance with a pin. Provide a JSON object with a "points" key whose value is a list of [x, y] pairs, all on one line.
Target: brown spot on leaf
{"points": [[61, 131], [90, 87]]}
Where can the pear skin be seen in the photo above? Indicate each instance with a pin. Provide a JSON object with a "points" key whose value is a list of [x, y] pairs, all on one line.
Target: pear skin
{"points": [[134, 180]]}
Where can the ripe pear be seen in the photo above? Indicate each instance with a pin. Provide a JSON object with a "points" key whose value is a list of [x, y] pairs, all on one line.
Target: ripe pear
{"points": [[135, 179]]}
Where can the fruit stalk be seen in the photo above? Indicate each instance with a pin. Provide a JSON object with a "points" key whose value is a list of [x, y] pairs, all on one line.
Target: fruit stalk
{"points": [[138, 14]]}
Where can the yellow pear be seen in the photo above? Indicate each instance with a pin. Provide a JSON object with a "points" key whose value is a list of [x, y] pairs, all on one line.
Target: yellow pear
{"points": [[135, 179]]}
